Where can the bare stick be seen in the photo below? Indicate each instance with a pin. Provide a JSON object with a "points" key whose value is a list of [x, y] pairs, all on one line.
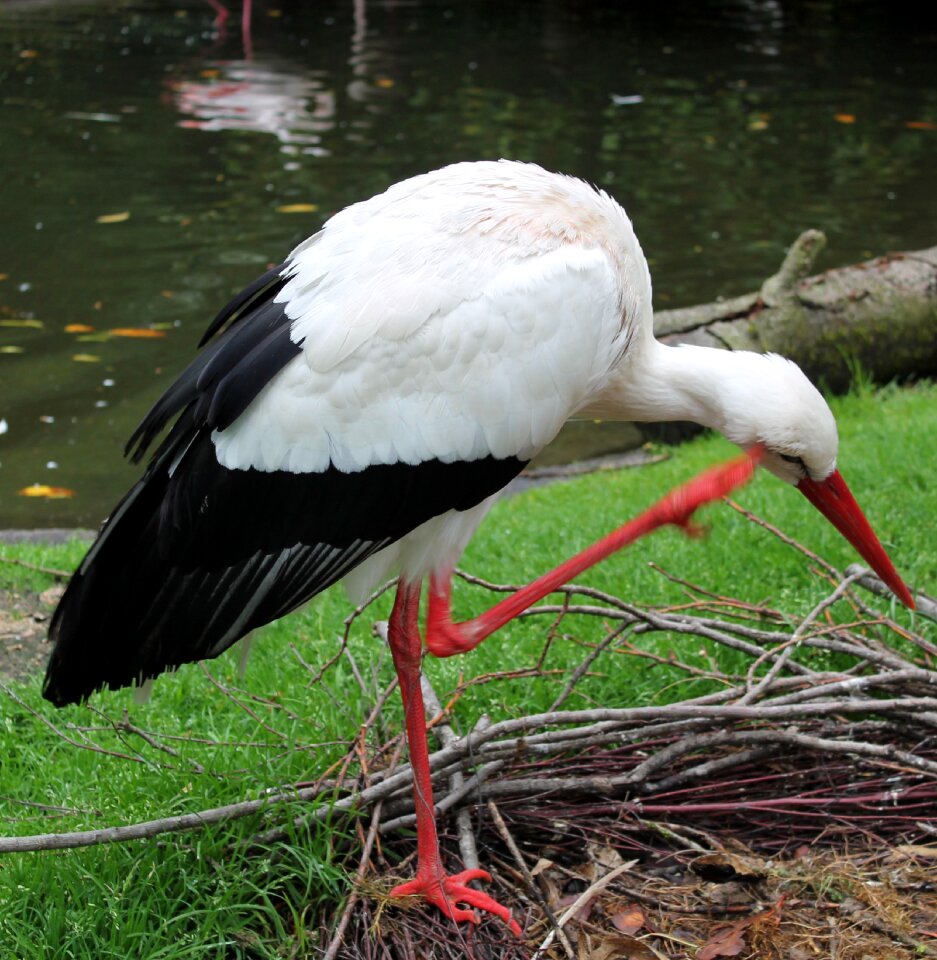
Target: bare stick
{"points": [[755, 690], [502, 829], [583, 667], [75, 743], [337, 937], [580, 901], [51, 571], [446, 735]]}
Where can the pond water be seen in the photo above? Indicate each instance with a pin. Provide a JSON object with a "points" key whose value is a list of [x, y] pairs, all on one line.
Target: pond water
{"points": [[154, 161]]}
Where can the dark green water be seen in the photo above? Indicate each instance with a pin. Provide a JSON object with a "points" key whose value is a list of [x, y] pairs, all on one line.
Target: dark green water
{"points": [[725, 129]]}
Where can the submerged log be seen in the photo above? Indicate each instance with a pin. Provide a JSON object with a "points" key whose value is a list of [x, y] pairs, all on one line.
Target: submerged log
{"points": [[879, 316]]}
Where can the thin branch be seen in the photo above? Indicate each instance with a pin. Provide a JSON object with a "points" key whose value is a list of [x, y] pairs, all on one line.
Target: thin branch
{"points": [[50, 571], [337, 937], [505, 834]]}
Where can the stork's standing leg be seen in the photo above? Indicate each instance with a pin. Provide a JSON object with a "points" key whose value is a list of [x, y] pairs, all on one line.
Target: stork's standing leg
{"points": [[445, 638], [431, 881]]}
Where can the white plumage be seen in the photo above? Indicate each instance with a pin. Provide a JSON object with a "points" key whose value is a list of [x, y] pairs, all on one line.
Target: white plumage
{"points": [[436, 321]]}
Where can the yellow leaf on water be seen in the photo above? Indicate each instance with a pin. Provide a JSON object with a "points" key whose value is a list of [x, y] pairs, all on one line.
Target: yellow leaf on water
{"points": [[910, 124], [385, 83], [114, 217], [85, 358], [11, 349], [78, 328], [44, 490], [140, 333], [30, 324], [298, 208], [844, 118], [4, 276]]}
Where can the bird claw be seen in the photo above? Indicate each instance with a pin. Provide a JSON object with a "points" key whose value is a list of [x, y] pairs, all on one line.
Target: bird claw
{"points": [[445, 892]]}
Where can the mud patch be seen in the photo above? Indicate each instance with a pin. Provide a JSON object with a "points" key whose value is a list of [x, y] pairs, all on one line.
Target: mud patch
{"points": [[24, 626]]}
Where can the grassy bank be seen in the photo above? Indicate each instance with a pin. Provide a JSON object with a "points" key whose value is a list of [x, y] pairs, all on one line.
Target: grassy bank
{"points": [[196, 894]]}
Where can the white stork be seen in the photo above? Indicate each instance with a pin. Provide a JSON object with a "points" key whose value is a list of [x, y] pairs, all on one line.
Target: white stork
{"points": [[356, 409]]}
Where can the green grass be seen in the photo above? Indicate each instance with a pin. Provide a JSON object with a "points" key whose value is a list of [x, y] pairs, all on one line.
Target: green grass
{"points": [[192, 894]]}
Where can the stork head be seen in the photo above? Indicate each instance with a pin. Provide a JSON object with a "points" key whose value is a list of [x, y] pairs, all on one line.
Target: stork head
{"points": [[775, 408]]}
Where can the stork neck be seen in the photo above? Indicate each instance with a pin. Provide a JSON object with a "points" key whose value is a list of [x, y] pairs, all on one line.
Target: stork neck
{"points": [[655, 383]]}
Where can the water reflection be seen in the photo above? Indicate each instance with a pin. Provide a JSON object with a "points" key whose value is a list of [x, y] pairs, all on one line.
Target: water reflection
{"points": [[264, 97]]}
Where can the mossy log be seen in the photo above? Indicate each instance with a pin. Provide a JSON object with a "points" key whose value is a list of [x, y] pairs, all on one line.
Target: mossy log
{"points": [[880, 315]]}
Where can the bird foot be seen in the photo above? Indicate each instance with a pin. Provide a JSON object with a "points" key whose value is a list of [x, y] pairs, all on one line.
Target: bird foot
{"points": [[445, 892]]}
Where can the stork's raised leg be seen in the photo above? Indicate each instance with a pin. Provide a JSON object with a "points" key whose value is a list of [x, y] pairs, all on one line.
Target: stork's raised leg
{"points": [[445, 638], [431, 881]]}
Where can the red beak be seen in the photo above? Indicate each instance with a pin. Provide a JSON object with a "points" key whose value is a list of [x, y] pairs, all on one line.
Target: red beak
{"points": [[835, 501]]}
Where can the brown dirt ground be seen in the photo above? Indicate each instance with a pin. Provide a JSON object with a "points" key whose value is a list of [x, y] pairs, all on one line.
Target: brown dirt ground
{"points": [[24, 623]]}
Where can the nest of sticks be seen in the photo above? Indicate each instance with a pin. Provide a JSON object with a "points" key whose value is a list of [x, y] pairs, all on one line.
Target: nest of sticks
{"points": [[792, 813]]}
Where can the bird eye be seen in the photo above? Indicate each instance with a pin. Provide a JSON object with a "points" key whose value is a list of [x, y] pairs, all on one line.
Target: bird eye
{"points": [[797, 460]]}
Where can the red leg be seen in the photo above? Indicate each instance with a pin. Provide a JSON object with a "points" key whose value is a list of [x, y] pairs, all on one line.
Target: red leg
{"points": [[431, 881], [445, 638], [246, 37]]}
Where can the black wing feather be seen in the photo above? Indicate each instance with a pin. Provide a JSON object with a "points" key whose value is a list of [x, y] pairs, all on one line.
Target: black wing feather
{"points": [[197, 555], [264, 287], [251, 320]]}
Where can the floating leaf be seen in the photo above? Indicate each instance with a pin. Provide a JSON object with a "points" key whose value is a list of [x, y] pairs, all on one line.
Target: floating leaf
{"points": [[113, 217], [30, 324], [86, 358], [844, 118], [385, 83], [78, 328], [920, 125], [298, 208], [140, 333], [44, 490], [11, 349], [4, 276]]}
